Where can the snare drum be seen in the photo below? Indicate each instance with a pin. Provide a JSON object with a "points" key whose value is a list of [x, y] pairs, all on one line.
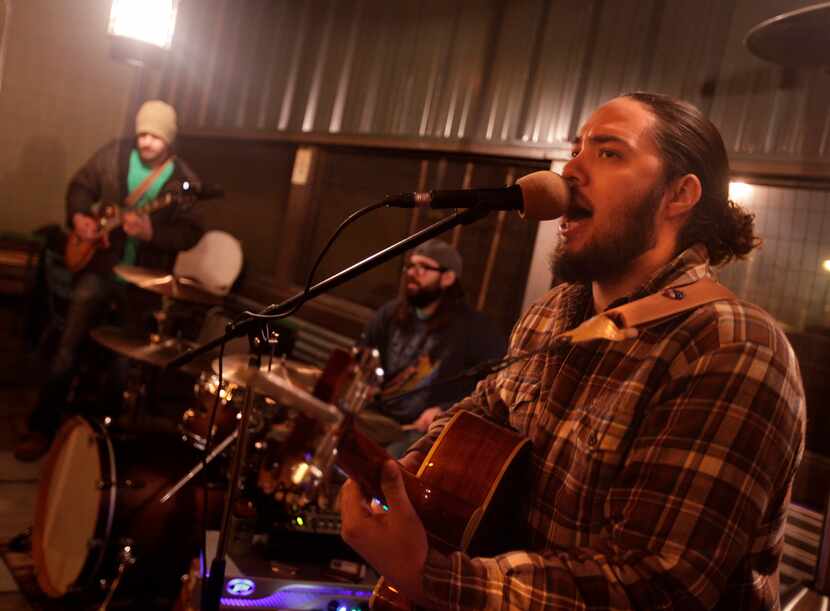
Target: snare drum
{"points": [[98, 506], [195, 420]]}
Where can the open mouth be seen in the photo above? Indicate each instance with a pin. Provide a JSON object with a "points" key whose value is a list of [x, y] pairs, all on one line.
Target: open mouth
{"points": [[577, 209]]}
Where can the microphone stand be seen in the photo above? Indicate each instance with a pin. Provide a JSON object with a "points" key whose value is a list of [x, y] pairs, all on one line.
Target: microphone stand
{"points": [[255, 329]]}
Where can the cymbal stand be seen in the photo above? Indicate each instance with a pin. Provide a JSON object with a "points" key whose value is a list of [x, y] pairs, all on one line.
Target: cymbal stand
{"points": [[162, 337], [195, 470], [259, 339]]}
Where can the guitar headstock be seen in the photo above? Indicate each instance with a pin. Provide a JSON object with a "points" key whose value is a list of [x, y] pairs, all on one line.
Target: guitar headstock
{"points": [[365, 378], [350, 379]]}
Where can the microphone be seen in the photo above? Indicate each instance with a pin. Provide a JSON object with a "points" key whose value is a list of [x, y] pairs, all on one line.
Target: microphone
{"points": [[538, 196]]}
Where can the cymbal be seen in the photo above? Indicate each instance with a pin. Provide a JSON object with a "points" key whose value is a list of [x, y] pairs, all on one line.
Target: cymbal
{"points": [[798, 38], [158, 354], [235, 366], [166, 284], [285, 392]]}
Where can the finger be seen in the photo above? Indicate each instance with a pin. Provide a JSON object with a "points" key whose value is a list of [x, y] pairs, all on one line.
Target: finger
{"points": [[352, 501], [391, 482], [353, 513], [411, 461]]}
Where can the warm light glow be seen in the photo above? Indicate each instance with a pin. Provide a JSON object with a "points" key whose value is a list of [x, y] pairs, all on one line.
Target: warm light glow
{"points": [[151, 21], [826, 265], [739, 191]]}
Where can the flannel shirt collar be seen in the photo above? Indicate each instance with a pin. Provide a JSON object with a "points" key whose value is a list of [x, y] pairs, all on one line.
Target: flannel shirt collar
{"points": [[689, 266]]}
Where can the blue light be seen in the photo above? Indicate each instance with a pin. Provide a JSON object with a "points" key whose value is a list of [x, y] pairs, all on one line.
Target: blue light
{"points": [[240, 587]]}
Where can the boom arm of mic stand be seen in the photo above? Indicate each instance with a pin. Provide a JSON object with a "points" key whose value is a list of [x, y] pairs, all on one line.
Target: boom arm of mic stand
{"points": [[462, 217]]}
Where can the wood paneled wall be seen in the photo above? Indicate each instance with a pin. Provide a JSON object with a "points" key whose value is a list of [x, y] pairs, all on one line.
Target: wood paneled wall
{"points": [[284, 224]]}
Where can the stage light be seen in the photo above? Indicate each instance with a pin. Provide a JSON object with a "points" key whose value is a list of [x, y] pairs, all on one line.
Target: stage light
{"points": [[150, 21], [739, 191], [826, 265]]}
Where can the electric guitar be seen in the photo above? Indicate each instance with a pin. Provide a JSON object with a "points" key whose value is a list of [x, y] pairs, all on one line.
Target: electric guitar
{"points": [[79, 251], [465, 492]]}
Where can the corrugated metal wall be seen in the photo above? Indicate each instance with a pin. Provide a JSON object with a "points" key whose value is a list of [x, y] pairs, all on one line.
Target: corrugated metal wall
{"points": [[518, 73]]}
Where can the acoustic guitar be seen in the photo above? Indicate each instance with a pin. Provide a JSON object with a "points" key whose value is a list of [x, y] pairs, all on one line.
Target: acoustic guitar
{"points": [[79, 252], [466, 491]]}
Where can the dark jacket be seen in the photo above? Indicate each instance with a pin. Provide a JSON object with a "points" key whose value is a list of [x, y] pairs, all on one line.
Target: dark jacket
{"points": [[104, 179], [418, 356]]}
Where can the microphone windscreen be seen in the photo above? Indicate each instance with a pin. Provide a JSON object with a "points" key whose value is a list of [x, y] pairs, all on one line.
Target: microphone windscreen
{"points": [[545, 194]]}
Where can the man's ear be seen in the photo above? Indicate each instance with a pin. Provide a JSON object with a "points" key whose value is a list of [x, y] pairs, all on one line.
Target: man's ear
{"points": [[447, 279], [684, 193]]}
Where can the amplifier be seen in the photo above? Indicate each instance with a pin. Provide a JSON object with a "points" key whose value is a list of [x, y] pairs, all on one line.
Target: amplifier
{"points": [[257, 583]]}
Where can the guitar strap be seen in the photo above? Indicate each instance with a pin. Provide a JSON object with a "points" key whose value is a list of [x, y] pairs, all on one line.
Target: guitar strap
{"points": [[670, 301], [135, 194], [613, 324]]}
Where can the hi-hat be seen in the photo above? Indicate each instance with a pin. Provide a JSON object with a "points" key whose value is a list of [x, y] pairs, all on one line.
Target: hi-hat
{"points": [[139, 349], [799, 38], [235, 369], [166, 284], [285, 392]]}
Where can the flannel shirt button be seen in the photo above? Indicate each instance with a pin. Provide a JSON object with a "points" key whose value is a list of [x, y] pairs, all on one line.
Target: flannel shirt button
{"points": [[592, 439]]}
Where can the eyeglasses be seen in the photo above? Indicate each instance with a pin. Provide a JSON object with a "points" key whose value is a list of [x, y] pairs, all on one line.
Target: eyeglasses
{"points": [[422, 268]]}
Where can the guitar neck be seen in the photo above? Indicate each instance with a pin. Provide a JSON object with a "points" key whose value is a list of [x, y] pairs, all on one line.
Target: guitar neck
{"points": [[362, 459], [108, 224]]}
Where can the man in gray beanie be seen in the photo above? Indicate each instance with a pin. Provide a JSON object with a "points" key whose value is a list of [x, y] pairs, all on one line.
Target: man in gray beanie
{"points": [[128, 173], [429, 335]]}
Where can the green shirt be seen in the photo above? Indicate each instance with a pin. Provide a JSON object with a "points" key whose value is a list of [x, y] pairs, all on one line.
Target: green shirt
{"points": [[136, 173]]}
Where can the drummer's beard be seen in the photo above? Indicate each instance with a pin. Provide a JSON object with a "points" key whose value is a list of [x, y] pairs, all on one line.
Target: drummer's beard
{"points": [[425, 296]]}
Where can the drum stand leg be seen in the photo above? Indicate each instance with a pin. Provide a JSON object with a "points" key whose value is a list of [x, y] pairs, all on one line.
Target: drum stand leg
{"points": [[125, 561], [192, 473]]}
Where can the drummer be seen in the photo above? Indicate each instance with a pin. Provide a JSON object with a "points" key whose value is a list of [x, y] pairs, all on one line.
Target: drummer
{"points": [[130, 173], [428, 335]]}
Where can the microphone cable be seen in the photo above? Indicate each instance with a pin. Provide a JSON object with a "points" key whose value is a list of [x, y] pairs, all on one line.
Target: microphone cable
{"points": [[310, 277]]}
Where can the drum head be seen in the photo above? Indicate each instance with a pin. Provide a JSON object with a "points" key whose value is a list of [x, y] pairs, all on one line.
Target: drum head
{"points": [[67, 507]]}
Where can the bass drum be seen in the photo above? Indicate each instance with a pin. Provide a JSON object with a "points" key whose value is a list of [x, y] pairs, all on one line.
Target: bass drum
{"points": [[98, 507]]}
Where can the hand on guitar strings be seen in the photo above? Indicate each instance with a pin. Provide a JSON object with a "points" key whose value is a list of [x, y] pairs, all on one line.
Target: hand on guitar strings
{"points": [[85, 226], [393, 541], [138, 226], [425, 419]]}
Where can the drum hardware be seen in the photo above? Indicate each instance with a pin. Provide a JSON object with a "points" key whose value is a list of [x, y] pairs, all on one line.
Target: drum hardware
{"points": [[199, 466], [126, 559], [127, 484], [166, 284], [256, 327], [799, 38], [235, 370], [117, 521]]}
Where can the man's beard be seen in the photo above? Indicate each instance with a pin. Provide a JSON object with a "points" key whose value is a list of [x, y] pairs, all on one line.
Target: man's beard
{"points": [[151, 156], [610, 256], [424, 296]]}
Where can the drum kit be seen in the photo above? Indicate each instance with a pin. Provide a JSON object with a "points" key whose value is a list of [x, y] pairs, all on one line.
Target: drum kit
{"points": [[111, 515]]}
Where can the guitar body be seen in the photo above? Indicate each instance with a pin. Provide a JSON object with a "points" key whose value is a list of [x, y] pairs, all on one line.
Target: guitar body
{"points": [[465, 491], [79, 252]]}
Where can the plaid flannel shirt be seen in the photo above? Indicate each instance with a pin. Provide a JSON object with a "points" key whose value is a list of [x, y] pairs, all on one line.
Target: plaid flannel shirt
{"points": [[661, 464]]}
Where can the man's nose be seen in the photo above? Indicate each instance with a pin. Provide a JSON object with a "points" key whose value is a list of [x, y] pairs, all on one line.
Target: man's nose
{"points": [[574, 173]]}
